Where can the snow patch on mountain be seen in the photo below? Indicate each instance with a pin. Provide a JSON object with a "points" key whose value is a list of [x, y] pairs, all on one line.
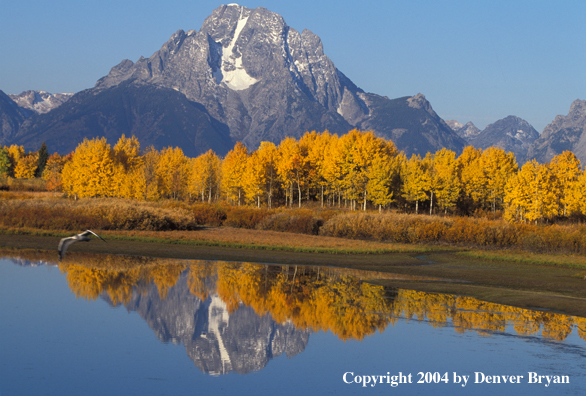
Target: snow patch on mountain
{"points": [[233, 73]]}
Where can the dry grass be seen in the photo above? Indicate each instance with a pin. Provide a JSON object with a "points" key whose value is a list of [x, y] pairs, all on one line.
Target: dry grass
{"points": [[50, 213], [458, 231], [259, 238]]}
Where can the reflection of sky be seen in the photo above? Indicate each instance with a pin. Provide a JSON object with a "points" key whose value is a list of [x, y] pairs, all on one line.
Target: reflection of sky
{"points": [[55, 344]]}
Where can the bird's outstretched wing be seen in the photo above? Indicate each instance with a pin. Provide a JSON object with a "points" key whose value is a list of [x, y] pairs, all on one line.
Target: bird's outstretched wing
{"points": [[88, 232], [64, 244]]}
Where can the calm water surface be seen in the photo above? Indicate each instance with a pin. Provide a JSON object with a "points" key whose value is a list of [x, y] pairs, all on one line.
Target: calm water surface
{"points": [[200, 328]]}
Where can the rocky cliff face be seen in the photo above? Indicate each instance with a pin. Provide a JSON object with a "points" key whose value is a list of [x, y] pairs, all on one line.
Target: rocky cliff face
{"points": [[512, 134], [564, 133], [217, 341], [11, 118]]}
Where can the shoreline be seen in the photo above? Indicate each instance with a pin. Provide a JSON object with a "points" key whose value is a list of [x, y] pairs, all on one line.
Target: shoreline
{"points": [[502, 278]]}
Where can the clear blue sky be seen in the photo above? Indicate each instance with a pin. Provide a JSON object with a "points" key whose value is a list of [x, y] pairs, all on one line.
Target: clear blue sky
{"points": [[475, 61]]}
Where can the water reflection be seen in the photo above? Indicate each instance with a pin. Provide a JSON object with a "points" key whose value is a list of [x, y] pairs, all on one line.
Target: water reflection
{"points": [[237, 316]]}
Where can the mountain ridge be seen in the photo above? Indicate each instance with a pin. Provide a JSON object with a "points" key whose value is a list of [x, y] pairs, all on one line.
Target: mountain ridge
{"points": [[511, 133]]}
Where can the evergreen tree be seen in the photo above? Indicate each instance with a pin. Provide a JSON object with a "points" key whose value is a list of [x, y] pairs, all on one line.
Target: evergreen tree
{"points": [[4, 162], [43, 156]]}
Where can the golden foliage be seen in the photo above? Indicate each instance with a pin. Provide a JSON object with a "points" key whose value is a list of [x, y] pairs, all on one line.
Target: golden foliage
{"points": [[26, 167]]}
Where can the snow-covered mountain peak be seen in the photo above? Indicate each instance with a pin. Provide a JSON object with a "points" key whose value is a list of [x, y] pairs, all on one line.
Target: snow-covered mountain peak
{"points": [[40, 101]]}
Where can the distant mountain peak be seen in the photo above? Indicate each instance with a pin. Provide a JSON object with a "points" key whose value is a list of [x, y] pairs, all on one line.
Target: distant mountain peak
{"points": [[40, 101], [455, 125], [512, 134], [578, 107], [419, 102], [564, 133], [466, 132]]}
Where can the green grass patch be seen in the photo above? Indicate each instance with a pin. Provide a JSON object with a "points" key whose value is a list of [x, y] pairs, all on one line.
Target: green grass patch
{"points": [[560, 260]]}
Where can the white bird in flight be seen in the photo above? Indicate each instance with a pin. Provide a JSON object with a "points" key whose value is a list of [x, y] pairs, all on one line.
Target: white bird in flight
{"points": [[83, 237]]}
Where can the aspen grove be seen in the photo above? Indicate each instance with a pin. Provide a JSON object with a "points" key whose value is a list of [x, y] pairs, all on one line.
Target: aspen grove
{"points": [[357, 170]]}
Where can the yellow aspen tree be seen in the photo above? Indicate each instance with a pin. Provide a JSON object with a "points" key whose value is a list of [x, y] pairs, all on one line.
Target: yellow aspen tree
{"points": [[580, 193], [233, 170], [380, 178], [368, 148], [445, 183], [292, 166], [15, 153], [534, 193], [127, 161], [127, 152], [212, 173], [332, 169], [519, 194], [567, 169], [267, 156], [254, 179], [498, 167], [147, 185], [429, 175], [26, 167], [317, 160], [416, 180], [172, 172], [90, 172], [197, 178], [546, 187], [206, 175], [466, 161], [511, 201], [358, 151]]}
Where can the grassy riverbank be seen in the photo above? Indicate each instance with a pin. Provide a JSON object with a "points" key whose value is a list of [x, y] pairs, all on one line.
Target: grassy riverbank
{"points": [[529, 280]]}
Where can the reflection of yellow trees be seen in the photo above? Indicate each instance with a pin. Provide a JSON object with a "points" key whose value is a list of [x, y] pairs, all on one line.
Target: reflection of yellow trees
{"points": [[197, 279], [311, 298], [165, 277], [89, 283], [468, 313], [90, 276]]}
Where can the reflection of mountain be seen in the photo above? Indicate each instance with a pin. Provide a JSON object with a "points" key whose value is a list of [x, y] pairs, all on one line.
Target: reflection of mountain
{"points": [[237, 316], [216, 341]]}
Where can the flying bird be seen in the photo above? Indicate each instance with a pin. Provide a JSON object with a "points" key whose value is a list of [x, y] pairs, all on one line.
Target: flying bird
{"points": [[83, 237]]}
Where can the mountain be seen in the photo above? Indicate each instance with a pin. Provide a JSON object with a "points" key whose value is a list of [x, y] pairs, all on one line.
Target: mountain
{"points": [[466, 132], [157, 116], [40, 101], [253, 76], [11, 118], [564, 133], [410, 123], [512, 134]]}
